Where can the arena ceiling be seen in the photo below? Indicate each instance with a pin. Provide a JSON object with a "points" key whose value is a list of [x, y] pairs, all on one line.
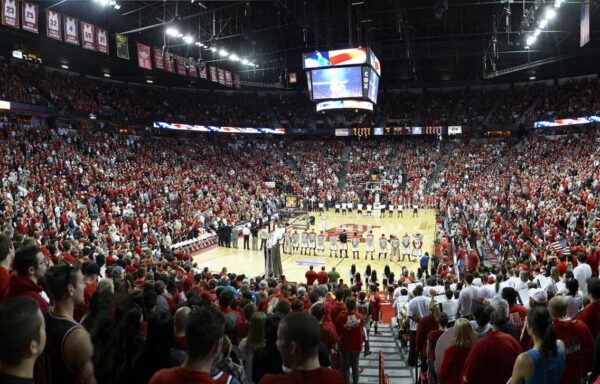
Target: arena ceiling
{"points": [[417, 41]]}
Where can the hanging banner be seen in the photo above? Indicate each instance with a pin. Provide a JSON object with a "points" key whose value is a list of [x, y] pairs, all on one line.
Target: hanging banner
{"points": [[213, 73], [221, 76], [102, 39], [169, 65], [10, 13], [143, 54], [228, 79], [30, 17], [122, 46], [71, 30], [181, 66], [53, 25], [203, 72], [236, 80], [584, 25], [192, 68], [159, 58], [88, 36]]}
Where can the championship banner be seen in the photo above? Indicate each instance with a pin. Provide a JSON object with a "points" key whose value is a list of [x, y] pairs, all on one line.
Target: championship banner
{"points": [[169, 65], [180, 66], [71, 30], [30, 17], [203, 71], [53, 25], [10, 13], [102, 39], [143, 54], [122, 46], [192, 68], [88, 36], [213, 73], [159, 58], [221, 76], [584, 24], [236, 80], [228, 79]]}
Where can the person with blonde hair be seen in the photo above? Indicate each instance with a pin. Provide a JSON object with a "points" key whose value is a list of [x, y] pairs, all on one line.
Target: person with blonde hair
{"points": [[255, 339], [449, 372]]}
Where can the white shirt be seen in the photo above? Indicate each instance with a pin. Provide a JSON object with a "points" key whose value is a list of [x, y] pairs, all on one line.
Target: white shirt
{"points": [[418, 307], [582, 272], [574, 304], [467, 297]]}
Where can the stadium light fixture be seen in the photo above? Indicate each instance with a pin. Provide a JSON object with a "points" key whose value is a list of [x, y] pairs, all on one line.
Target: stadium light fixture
{"points": [[104, 3], [244, 61], [64, 66], [543, 23], [223, 52], [188, 39], [180, 35], [532, 77], [531, 40], [213, 49], [112, 3], [149, 81], [550, 13], [117, 6], [557, 4], [537, 32], [234, 57], [107, 75], [172, 31]]}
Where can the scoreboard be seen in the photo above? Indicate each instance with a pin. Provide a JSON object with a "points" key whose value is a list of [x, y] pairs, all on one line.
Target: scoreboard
{"points": [[393, 131]]}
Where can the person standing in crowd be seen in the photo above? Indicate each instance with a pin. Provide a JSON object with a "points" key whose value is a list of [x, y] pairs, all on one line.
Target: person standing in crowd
{"points": [[418, 307], [582, 272], [363, 307], [23, 335], [453, 361], [298, 340], [590, 315], [491, 358], [30, 266], [7, 255], [349, 325], [432, 338], [578, 340], [69, 345], [332, 277], [310, 275], [204, 333], [467, 297], [246, 233], [375, 306], [322, 276], [545, 362]]}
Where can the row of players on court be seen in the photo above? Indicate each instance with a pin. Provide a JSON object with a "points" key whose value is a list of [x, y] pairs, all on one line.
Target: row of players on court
{"points": [[345, 208], [311, 241]]}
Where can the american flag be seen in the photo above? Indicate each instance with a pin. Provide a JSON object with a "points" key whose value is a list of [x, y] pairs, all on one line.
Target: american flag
{"points": [[561, 247]]}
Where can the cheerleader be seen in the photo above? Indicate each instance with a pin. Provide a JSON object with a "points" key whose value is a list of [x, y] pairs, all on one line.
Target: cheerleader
{"points": [[370, 245], [355, 244], [352, 274], [333, 245]]}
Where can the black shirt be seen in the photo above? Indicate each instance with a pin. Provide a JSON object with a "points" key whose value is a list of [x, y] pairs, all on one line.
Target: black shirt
{"points": [[9, 379]]}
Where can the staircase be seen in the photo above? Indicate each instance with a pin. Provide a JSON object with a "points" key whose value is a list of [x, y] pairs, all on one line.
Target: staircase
{"points": [[395, 366], [344, 161], [441, 164]]}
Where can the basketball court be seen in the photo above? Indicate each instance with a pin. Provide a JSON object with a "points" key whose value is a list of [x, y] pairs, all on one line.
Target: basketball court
{"points": [[251, 263]]}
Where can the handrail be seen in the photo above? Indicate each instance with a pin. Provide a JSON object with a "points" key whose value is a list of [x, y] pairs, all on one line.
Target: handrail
{"points": [[382, 375]]}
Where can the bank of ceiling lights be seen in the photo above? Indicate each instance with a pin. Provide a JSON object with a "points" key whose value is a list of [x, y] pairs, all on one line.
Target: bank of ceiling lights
{"points": [[548, 14], [224, 54], [108, 3]]}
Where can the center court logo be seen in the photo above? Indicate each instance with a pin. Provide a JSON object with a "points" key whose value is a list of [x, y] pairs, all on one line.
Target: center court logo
{"points": [[360, 229]]}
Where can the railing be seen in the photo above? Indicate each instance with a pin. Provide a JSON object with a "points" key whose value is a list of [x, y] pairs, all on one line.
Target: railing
{"points": [[383, 379]]}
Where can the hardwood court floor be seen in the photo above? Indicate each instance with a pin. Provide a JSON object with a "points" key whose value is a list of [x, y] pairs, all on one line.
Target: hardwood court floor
{"points": [[251, 263]]}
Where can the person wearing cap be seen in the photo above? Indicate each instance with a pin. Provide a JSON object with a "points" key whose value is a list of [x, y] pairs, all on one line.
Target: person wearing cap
{"points": [[578, 340], [537, 297]]}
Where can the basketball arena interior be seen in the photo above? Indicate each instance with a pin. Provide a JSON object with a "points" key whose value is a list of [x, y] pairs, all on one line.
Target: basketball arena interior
{"points": [[299, 191]]}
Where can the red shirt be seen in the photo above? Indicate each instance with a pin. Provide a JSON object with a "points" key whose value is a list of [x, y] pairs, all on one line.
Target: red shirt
{"points": [[180, 375], [317, 376], [322, 277], [424, 326], [590, 315], [450, 370], [338, 308], [579, 344], [491, 359], [349, 326], [311, 276], [432, 339], [516, 315], [24, 286], [375, 303], [4, 283], [328, 334]]}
